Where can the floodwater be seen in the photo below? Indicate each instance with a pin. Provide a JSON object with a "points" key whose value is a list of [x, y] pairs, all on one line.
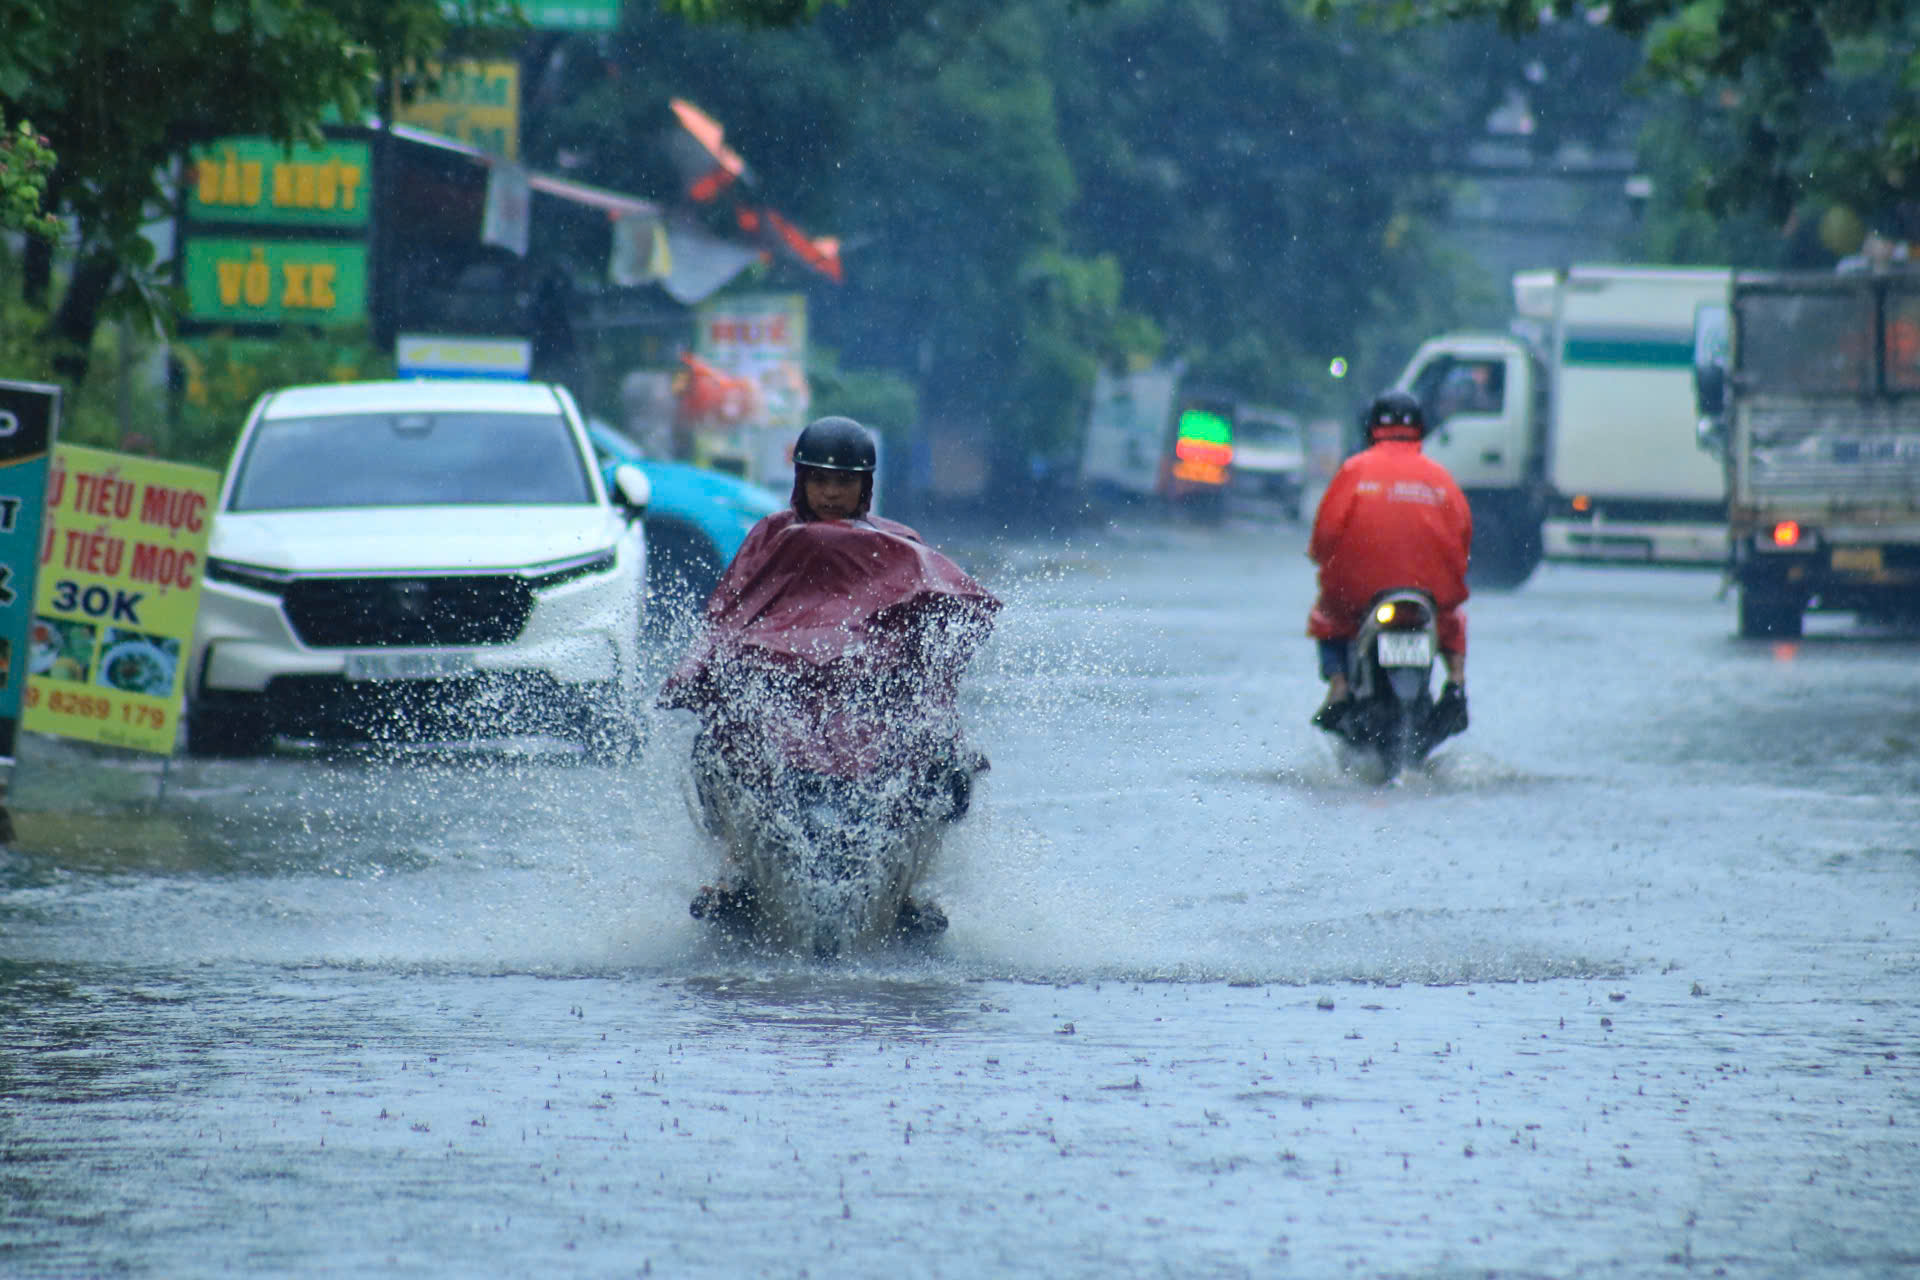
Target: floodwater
{"points": [[1623, 985]]}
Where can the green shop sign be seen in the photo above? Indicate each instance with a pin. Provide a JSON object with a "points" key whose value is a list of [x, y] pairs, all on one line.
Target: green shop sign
{"points": [[235, 280], [254, 180], [572, 15]]}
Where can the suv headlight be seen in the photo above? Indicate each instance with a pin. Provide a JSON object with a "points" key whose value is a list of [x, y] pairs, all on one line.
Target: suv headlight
{"points": [[251, 576], [555, 572]]}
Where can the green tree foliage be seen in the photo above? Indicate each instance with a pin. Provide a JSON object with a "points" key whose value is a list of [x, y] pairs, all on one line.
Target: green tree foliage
{"points": [[123, 88], [929, 141], [25, 159], [1683, 150], [1262, 177], [886, 402], [1025, 188], [1813, 99]]}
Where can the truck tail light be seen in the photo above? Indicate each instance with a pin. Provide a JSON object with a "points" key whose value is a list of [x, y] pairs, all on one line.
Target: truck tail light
{"points": [[1786, 534]]}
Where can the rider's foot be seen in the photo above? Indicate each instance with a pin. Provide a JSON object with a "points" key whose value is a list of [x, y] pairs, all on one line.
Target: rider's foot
{"points": [[1450, 710], [959, 794], [1332, 712], [920, 918], [1338, 702]]}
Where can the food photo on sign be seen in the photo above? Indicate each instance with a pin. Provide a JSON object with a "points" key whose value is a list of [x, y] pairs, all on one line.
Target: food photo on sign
{"points": [[62, 649], [135, 663]]}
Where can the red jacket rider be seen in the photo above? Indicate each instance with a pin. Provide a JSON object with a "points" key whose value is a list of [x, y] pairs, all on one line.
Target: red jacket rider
{"points": [[1392, 517]]}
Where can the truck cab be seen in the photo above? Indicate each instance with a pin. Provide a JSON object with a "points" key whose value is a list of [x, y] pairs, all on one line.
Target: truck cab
{"points": [[1573, 434], [1485, 397]]}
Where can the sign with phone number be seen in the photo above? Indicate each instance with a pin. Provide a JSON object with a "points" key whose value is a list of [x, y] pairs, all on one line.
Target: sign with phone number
{"points": [[116, 597], [116, 719]]}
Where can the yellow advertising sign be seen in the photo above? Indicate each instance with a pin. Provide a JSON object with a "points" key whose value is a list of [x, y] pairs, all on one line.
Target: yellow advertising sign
{"points": [[476, 102], [119, 587]]}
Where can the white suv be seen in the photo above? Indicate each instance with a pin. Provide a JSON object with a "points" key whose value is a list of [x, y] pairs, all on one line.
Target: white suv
{"points": [[425, 559]]}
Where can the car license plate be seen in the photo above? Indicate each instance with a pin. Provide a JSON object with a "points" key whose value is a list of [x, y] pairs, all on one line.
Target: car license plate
{"points": [[408, 664], [1858, 560], [1405, 649]]}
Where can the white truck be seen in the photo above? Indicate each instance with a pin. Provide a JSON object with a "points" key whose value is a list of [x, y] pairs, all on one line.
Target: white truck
{"points": [[1811, 395], [1574, 435]]}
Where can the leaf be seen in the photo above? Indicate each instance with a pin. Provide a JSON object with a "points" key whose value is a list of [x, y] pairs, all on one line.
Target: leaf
{"points": [[271, 18]]}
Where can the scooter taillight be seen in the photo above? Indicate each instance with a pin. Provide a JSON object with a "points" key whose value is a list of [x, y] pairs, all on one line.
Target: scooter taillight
{"points": [[1400, 615]]}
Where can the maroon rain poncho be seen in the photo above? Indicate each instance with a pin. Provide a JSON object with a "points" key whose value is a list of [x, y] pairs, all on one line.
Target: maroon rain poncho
{"points": [[833, 641]]}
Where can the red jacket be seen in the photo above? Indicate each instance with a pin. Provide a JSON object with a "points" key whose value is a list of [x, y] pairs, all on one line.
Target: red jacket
{"points": [[1392, 517]]}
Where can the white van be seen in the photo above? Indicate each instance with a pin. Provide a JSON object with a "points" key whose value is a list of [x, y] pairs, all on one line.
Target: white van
{"points": [[1269, 458]]}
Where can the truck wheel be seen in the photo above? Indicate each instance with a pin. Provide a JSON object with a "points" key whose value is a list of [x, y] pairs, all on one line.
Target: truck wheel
{"points": [[1504, 556], [1769, 615], [227, 724]]}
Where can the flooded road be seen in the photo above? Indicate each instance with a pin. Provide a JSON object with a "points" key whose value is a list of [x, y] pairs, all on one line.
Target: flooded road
{"points": [[1622, 985]]}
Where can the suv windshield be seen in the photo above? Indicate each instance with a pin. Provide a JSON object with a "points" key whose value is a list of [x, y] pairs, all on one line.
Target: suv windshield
{"points": [[410, 460]]}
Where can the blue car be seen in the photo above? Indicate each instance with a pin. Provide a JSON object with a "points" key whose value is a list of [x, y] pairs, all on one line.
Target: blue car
{"points": [[696, 520]]}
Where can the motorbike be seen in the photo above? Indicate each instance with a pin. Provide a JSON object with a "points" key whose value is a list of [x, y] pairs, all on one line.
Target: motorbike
{"points": [[830, 761], [820, 863], [1393, 720]]}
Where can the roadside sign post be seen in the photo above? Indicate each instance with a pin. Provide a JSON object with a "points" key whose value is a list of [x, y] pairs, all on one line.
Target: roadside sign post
{"points": [[29, 419], [117, 595]]}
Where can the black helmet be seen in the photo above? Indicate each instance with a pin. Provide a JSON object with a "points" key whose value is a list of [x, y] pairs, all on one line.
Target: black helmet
{"points": [[835, 444], [1395, 409]]}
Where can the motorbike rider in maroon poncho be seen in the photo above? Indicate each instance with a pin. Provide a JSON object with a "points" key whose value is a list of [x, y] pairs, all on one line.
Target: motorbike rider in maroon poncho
{"points": [[833, 638]]}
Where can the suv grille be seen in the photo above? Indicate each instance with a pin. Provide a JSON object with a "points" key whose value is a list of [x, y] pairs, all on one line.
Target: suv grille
{"points": [[334, 613]]}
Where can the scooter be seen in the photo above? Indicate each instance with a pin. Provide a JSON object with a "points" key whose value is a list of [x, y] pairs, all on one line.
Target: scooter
{"points": [[830, 760], [1392, 719], [818, 862]]}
